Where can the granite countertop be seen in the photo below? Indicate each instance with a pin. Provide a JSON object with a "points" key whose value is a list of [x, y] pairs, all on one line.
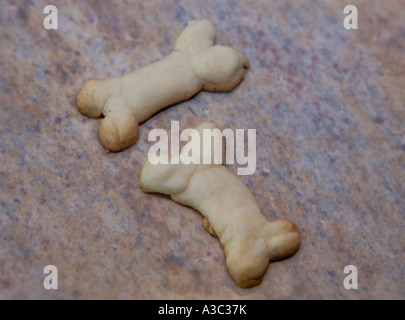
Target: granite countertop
{"points": [[328, 105]]}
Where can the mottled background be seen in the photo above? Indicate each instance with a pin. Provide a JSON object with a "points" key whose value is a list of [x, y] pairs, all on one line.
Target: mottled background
{"points": [[328, 106]]}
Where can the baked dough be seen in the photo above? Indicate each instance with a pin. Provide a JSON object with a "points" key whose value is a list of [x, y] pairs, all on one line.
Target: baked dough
{"points": [[230, 212], [195, 64]]}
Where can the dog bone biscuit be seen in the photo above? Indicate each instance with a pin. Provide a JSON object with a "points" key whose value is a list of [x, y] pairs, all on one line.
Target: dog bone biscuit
{"points": [[195, 64], [230, 212]]}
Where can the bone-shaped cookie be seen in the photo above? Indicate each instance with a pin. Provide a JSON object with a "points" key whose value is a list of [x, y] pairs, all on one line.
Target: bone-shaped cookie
{"points": [[195, 64], [230, 212]]}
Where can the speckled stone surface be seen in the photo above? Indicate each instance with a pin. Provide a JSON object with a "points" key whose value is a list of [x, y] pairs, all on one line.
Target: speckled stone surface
{"points": [[329, 108]]}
